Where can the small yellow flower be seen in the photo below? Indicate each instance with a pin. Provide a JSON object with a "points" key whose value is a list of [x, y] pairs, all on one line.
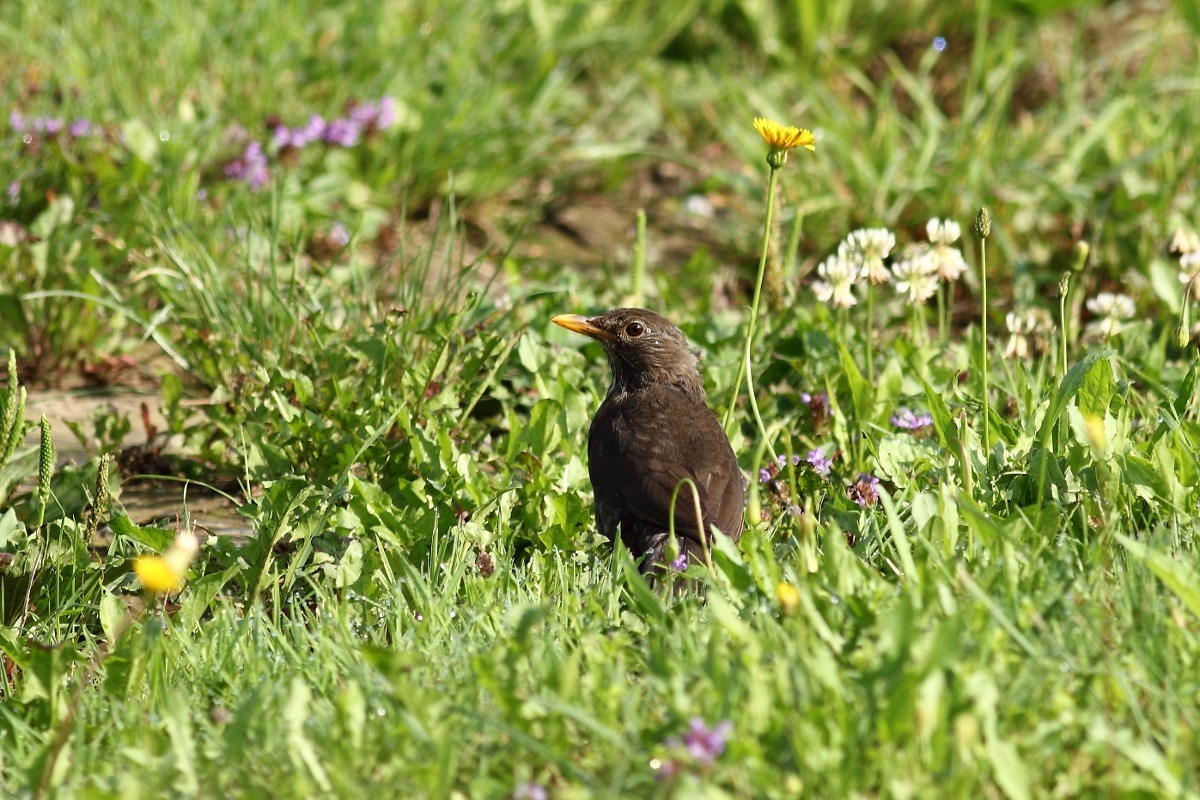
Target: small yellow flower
{"points": [[788, 596], [157, 575], [1097, 435], [165, 574], [784, 137]]}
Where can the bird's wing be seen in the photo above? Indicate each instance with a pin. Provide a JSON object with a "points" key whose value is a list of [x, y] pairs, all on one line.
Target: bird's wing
{"points": [[640, 450]]}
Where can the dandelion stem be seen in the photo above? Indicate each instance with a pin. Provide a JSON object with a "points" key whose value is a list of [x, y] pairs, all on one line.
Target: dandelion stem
{"points": [[754, 409], [744, 371], [636, 290]]}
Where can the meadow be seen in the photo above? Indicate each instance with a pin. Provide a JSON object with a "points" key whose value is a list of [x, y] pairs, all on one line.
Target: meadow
{"points": [[955, 346]]}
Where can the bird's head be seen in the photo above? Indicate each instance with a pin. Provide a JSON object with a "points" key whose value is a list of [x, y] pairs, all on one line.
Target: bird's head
{"points": [[642, 347]]}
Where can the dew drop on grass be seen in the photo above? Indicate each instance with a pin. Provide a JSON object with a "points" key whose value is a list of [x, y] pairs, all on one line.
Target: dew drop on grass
{"points": [[833, 598], [381, 712], [939, 43]]}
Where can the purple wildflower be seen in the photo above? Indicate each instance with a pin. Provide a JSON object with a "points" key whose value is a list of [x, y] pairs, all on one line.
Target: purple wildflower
{"points": [[530, 791], [13, 192], [365, 114], [16, 121], [764, 475], [680, 563], [51, 126], [282, 137], [706, 744], [250, 167], [820, 464], [374, 115], [342, 132], [863, 491], [907, 420], [80, 128], [302, 136], [312, 131], [387, 113]]}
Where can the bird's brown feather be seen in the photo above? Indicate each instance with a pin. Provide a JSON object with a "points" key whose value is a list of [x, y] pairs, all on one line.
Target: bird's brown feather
{"points": [[653, 430]]}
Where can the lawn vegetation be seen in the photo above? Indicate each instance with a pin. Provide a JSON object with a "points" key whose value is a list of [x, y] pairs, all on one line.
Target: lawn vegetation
{"points": [[957, 359]]}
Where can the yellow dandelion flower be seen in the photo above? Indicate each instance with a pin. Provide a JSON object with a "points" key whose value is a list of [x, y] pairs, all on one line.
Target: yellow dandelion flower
{"points": [[164, 574], [788, 596], [157, 575], [782, 138]]}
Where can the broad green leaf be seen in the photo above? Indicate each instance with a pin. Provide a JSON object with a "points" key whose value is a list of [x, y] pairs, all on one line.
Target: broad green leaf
{"points": [[1097, 389], [114, 616], [861, 392], [1070, 385], [943, 422]]}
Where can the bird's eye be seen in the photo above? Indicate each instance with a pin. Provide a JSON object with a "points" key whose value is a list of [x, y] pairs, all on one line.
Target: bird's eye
{"points": [[634, 330]]}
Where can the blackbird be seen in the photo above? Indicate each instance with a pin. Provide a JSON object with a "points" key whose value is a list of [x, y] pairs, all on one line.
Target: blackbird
{"points": [[653, 430]]}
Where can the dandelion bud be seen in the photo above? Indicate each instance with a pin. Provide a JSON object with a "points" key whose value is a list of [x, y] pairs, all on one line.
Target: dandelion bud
{"points": [[777, 158], [1081, 256], [1182, 334], [983, 223]]}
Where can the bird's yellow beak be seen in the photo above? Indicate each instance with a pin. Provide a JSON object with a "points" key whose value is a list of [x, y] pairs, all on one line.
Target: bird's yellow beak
{"points": [[580, 324]]}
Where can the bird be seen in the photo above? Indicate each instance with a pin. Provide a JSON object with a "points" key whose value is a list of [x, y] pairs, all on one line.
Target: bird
{"points": [[653, 430]]}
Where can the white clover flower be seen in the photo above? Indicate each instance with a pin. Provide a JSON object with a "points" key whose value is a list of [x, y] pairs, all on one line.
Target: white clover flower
{"points": [[942, 231], [838, 276], [1184, 242], [916, 273], [942, 234], [950, 262], [1111, 311], [866, 248], [1027, 332]]}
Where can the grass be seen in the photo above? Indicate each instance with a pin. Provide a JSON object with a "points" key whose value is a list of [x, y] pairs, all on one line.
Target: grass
{"points": [[359, 355]]}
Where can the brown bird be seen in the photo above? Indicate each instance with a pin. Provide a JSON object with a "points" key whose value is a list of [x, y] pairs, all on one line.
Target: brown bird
{"points": [[653, 430]]}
